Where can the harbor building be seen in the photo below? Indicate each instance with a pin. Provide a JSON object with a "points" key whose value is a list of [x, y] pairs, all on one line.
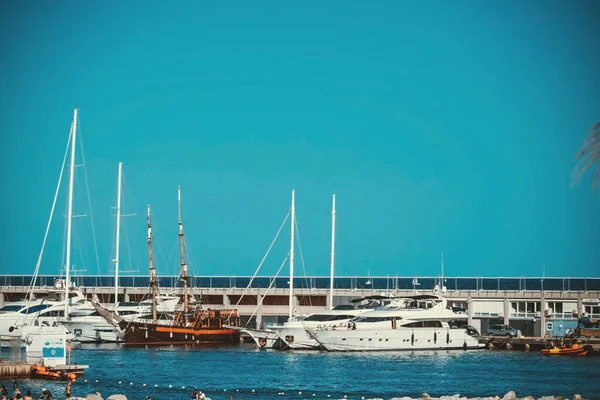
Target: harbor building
{"points": [[537, 306]]}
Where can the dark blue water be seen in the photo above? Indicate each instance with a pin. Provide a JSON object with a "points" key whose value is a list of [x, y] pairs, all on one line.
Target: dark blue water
{"points": [[222, 372]]}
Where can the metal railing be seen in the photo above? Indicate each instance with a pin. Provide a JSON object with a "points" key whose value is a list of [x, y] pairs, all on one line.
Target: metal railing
{"points": [[524, 284]]}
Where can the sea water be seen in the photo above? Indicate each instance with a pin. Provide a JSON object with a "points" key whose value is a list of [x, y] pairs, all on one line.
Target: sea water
{"points": [[236, 371]]}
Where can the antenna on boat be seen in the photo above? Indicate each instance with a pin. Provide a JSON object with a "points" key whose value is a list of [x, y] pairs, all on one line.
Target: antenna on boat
{"points": [[291, 300], [443, 285], [151, 267], [332, 254], [116, 260], [70, 211], [183, 275]]}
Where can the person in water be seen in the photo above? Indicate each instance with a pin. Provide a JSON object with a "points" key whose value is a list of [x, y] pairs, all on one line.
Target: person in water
{"points": [[68, 390], [3, 391], [28, 396], [46, 395]]}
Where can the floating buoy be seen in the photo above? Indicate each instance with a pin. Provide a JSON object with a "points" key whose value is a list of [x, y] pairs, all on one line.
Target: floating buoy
{"points": [[224, 390], [170, 386], [237, 390], [144, 384], [253, 391], [183, 387], [96, 380], [85, 380], [131, 383], [155, 385], [300, 393], [119, 382]]}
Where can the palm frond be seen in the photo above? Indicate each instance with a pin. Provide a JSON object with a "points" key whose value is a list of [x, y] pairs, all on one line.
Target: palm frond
{"points": [[587, 157]]}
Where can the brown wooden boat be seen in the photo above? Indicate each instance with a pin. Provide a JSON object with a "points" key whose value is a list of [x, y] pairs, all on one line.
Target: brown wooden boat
{"points": [[205, 326], [188, 325]]}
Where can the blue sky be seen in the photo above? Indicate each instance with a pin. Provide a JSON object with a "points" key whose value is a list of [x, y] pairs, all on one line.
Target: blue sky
{"points": [[439, 125]]}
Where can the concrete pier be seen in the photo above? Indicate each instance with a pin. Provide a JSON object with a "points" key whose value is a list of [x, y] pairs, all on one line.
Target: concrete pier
{"points": [[538, 306]]}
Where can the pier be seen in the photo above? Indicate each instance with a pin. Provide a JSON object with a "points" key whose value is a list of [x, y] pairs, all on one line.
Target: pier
{"points": [[539, 307]]}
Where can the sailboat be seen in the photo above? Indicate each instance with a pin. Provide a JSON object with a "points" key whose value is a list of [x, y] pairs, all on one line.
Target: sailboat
{"points": [[292, 334], [188, 326], [34, 315], [92, 327]]}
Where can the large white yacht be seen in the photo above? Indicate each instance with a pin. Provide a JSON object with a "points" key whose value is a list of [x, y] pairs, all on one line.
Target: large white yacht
{"points": [[419, 322]]}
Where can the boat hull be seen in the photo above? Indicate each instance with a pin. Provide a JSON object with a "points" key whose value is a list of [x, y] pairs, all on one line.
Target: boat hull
{"points": [[139, 333], [402, 339], [91, 330]]}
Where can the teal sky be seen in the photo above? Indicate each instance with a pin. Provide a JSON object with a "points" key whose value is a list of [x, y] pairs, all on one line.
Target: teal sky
{"points": [[440, 125]]}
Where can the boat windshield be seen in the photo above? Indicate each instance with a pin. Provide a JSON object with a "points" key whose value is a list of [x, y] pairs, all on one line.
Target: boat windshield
{"points": [[10, 308], [344, 307], [34, 309]]}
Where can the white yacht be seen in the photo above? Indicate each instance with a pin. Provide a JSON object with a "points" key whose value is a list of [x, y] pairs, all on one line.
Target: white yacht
{"points": [[35, 312], [293, 333], [94, 328], [418, 322]]}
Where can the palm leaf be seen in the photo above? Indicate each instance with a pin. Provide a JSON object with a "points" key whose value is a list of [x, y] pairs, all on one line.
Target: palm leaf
{"points": [[588, 156]]}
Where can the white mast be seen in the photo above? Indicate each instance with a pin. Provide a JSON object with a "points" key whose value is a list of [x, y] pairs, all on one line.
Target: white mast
{"points": [[332, 254], [183, 275], [151, 268], [70, 213], [292, 259], [116, 260]]}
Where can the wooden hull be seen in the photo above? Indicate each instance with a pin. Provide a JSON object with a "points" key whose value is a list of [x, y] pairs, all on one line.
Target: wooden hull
{"points": [[139, 333]]}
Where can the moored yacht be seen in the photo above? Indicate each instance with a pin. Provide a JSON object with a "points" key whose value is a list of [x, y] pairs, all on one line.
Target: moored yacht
{"points": [[293, 333], [419, 322], [94, 328], [35, 312]]}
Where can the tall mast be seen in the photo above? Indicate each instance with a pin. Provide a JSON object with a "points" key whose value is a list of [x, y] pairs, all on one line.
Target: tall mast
{"points": [[442, 285], [118, 234], [70, 212], [151, 268], [183, 275], [332, 254], [292, 258]]}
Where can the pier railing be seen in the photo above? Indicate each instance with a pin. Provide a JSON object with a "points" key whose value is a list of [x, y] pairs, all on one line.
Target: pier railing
{"points": [[387, 283]]}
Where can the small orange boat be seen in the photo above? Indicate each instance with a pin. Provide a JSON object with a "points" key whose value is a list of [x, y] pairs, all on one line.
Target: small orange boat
{"points": [[574, 350], [42, 372]]}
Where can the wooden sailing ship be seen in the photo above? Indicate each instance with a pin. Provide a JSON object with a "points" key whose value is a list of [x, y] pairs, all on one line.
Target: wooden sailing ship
{"points": [[189, 325]]}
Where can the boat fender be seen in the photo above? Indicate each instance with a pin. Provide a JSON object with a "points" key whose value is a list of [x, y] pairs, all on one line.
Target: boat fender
{"points": [[447, 337], [464, 345], [435, 337], [412, 339]]}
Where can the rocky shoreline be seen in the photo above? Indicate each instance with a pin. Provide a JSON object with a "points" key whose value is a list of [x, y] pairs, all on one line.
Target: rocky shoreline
{"points": [[508, 396]]}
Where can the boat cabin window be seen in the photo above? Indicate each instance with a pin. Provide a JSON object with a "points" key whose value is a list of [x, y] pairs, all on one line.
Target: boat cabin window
{"points": [[325, 318], [127, 304], [34, 309], [375, 319], [10, 308], [53, 313], [423, 324], [127, 312]]}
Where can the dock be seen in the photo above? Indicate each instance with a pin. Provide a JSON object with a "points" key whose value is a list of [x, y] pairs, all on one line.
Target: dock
{"points": [[532, 343], [14, 370]]}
